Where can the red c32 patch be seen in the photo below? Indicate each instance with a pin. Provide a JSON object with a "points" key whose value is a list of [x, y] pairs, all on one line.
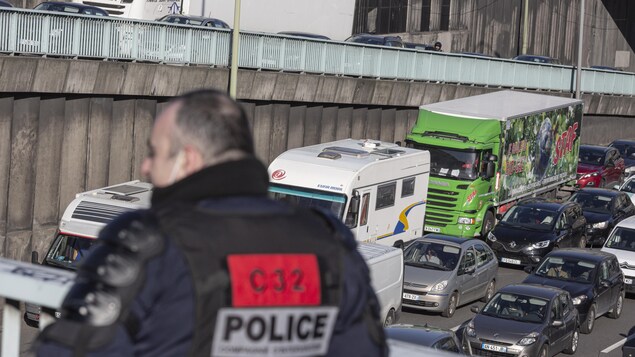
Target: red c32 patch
{"points": [[274, 280]]}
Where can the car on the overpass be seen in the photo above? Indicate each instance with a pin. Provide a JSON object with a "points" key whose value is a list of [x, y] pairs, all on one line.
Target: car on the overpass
{"points": [[599, 166], [304, 35], [592, 278], [194, 21], [621, 243], [436, 338], [537, 59], [5, 4], [70, 8], [378, 40], [524, 320]]}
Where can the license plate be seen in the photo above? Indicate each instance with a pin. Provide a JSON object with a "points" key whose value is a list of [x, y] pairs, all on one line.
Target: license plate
{"points": [[432, 229], [487, 346], [510, 261], [410, 296], [628, 281]]}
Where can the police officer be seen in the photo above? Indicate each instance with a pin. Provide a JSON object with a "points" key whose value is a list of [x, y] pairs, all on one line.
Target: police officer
{"points": [[215, 267]]}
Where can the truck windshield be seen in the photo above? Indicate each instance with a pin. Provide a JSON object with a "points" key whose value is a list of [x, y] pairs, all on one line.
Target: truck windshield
{"points": [[453, 163], [67, 250], [306, 197]]}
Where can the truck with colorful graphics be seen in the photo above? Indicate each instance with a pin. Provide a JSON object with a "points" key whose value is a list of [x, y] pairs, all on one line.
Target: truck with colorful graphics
{"points": [[378, 189], [488, 151]]}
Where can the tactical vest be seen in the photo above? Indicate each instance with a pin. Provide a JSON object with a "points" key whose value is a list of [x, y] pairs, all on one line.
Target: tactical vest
{"points": [[265, 284]]}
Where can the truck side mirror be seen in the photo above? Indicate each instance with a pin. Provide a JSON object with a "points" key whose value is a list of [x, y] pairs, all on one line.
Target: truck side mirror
{"points": [[490, 170], [492, 158], [34, 258]]}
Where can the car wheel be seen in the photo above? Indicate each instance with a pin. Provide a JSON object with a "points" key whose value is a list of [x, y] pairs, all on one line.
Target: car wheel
{"points": [[488, 224], [449, 311], [390, 318], [543, 351], [489, 293], [587, 325], [573, 346], [616, 311]]}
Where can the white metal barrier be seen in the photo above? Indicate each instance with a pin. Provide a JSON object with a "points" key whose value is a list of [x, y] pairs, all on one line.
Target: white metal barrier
{"points": [[80, 36]]}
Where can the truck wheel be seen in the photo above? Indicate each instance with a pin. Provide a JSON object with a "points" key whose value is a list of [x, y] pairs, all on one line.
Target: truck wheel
{"points": [[488, 224], [616, 311], [390, 318], [451, 309]]}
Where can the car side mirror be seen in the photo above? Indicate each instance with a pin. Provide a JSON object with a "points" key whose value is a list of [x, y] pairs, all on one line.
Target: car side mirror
{"points": [[470, 270], [557, 323], [528, 269], [34, 258], [605, 283], [616, 187], [475, 309], [610, 164], [354, 207], [499, 216], [492, 158]]}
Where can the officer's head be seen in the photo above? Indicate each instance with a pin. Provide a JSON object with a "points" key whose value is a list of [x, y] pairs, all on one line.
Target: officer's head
{"points": [[196, 130]]}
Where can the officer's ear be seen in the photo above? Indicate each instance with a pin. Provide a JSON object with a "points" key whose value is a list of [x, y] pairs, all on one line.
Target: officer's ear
{"points": [[193, 160]]}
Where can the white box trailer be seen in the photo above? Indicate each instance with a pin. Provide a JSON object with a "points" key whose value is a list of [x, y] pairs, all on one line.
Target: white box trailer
{"points": [[386, 275], [378, 189]]}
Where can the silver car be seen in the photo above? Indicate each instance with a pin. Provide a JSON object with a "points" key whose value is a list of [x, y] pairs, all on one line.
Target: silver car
{"points": [[443, 272]]}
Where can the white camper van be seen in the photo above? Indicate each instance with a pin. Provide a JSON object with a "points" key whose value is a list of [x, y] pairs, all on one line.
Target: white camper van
{"points": [[378, 189], [84, 217], [386, 276]]}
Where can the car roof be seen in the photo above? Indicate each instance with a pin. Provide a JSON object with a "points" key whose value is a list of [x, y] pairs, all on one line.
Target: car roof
{"points": [[445, 238], [595, 148], [538, 202], [623, 142], [580, 253], [5, 3], [601, 191], [304, 34], [422, 335], [539, 291], [530, 57]]}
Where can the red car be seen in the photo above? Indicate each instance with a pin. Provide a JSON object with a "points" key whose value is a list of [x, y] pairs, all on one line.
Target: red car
{"points": [[599, 166]]}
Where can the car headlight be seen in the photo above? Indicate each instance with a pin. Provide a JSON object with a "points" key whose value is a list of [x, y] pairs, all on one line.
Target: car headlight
{"points": [[579, 299], [491, 236], [595, 174], [529, 339], [440, 286], [542, 244], [600, 225], [466, 220], [469, 329]]}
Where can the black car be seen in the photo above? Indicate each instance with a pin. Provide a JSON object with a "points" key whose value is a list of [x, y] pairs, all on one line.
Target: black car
{"points": [[534, 227], [524, 320], [603, 209], [304, 34], [5, 4], [627, 150], [537, 59], [71, 8], [593, 278], [418, 46], [439, 339], [378, 40], [194, 21]]}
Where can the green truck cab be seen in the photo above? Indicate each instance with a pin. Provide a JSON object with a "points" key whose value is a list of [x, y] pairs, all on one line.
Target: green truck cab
{"points": [[488, 151]]}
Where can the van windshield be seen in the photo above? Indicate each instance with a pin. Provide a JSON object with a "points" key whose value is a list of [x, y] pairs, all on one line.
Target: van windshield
{"points": [[67, 250], [306, 197]]}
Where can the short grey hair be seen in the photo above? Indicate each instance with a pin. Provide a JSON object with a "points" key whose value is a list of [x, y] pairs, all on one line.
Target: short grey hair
{"points": [[212, 122]]}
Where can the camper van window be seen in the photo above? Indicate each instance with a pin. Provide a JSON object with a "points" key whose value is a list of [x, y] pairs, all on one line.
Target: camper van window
{"points": [[67, 250], [386, 195], [364, 214], [408, 187], [306, 197]]}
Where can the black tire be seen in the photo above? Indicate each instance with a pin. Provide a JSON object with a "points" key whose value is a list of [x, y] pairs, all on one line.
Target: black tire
{"points": [[587, 325], [489, 293], [488, 224], [451, 309], [390, 318], [543, 351], [573, 345], [616, 310]]}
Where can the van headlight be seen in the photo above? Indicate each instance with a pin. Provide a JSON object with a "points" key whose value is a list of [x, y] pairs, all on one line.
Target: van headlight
{"points": [[469, 329], [466, 220], [491, 236], [600, 225], [579, 299], [440, 286], [595, 174], [529, 339], [543, 244]]}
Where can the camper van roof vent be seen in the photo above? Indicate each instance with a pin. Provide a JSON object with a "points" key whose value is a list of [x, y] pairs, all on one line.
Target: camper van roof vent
{"points": [[330, 155], [347, 151], [124, 198], [97, 212], [125, 190], [389, 152]]}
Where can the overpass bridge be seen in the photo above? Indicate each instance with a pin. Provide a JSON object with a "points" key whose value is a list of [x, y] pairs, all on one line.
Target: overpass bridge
{"points": [[78, 95]]}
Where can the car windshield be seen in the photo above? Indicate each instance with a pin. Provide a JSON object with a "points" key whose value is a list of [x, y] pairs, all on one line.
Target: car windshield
{"points": [[622, 238], [458, 164], [517, 307], [306, 197], [591, 157], [568, 269], [530, 217], [592, 202], [432, 255], [67, 250]]}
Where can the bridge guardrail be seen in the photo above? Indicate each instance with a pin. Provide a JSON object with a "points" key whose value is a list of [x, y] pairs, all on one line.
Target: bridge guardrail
{"points": [[80, 36]]}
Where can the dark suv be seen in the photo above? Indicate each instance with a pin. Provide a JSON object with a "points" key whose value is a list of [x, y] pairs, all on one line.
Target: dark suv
{"points": [[534, 227], [377, 40], [594, 280], [194, 21], [599, 166]]}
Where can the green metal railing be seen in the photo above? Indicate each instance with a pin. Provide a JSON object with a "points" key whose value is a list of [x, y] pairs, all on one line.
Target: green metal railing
{"points": [[76, 36]]}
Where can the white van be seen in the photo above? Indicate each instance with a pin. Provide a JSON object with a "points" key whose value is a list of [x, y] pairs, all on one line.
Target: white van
{"points": [[386, 274], [84, 217], [377, 189]]}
